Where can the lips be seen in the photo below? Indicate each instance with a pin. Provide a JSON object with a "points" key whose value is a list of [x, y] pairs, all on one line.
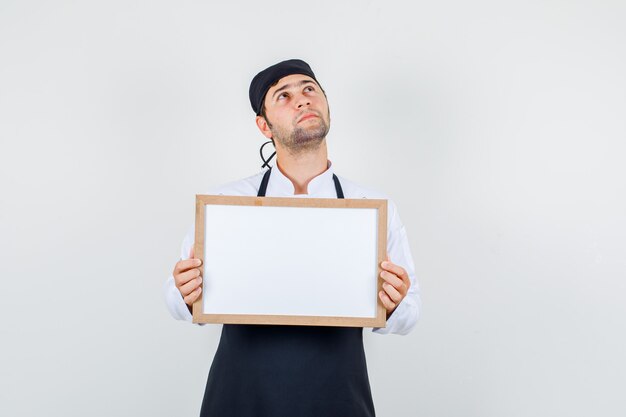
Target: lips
{"points": [[307, 116]]}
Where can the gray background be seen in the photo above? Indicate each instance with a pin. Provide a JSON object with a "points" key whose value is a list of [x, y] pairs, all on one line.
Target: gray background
{"points": [[497, 127]]}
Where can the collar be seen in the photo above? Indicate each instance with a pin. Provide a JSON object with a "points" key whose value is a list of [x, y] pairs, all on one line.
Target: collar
{"points": [[321, 186]]}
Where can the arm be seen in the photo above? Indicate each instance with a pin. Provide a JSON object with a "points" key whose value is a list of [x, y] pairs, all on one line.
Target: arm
{"points": [[400, 294], [182, 288]]}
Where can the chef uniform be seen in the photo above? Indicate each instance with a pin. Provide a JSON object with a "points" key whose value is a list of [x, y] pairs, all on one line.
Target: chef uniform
{"points": [[276, 371]]}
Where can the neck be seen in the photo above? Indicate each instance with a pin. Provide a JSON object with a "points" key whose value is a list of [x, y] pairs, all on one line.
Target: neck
{"points": [[301, 168]]}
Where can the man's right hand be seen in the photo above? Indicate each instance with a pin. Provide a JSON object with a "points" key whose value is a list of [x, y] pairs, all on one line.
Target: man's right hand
{"points": [[187, 278]]}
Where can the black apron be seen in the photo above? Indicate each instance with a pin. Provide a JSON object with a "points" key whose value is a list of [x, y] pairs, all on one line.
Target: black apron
{"points": [[288, 371]]}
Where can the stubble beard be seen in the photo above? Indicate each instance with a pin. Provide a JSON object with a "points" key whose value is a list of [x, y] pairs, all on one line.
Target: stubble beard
{"points": [[302, 139]]}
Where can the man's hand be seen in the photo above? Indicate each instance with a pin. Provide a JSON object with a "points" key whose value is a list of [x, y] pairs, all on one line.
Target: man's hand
{"points": [[395, 287], [187, 278]]}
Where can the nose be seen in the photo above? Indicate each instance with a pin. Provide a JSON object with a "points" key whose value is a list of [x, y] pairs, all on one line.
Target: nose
{"points": [[302, 101]]}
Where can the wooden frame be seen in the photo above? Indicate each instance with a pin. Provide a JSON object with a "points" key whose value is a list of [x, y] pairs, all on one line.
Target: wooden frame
{"points": [[363, 282]]}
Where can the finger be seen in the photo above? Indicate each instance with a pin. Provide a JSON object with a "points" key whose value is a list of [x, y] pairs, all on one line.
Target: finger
{"points": [[190, 286], [393, 293], [191, 298], [392, 279], [396, 269], [393, 268], [191, 251], [389, 305], [185, 265], [184, 277]]}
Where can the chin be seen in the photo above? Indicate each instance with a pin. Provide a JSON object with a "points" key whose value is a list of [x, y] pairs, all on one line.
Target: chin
{"points": [[311, 135]]}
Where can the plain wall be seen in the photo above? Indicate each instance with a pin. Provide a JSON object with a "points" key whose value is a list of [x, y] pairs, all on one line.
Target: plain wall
{"points": [[498, 128]]}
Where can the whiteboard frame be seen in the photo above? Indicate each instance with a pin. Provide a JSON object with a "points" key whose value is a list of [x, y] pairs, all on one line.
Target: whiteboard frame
{"points": [[379, 205]]}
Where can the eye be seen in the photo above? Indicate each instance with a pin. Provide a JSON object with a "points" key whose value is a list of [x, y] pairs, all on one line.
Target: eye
{"points": [[309, 88], [282, 96]]}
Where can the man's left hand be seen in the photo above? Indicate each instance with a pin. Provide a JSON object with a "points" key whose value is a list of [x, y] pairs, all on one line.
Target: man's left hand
{"points": [[395, 287]]}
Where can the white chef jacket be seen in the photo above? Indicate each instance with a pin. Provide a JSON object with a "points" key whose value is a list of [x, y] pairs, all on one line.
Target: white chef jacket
{"points": [[405, 315]]}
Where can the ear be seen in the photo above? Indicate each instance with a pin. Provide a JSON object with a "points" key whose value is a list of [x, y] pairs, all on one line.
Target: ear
{"points": [[261, 123]]}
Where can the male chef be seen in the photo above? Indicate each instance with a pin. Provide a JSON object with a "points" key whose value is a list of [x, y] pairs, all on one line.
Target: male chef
{"points": [[275, 371]]}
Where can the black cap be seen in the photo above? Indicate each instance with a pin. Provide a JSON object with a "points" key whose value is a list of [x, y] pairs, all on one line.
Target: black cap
{"points": [[266, 78]]}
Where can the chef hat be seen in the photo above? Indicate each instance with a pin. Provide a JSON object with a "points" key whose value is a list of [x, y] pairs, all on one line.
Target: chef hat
{"points": [[266, 78]]}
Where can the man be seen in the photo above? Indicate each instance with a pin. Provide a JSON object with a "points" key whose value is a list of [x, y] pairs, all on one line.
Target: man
{"points": [[296, 370]]}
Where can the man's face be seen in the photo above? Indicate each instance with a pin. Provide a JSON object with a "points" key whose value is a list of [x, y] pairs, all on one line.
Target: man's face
{"points": [[297, 113]]}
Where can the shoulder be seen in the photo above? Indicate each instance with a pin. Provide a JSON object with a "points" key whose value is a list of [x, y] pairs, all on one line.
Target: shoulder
{"points": [[244, 187], [354, 190]]}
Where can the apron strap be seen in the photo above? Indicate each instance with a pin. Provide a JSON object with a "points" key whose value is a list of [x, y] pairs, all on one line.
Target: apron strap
{"points": [[263, 187], [266, 180], [338, 188]]}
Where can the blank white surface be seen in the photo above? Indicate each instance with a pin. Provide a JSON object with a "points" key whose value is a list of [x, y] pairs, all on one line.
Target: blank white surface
{"points": [[290, 261]]}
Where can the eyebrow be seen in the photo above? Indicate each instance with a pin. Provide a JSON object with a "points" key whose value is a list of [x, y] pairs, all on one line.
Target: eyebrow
{"points": [[286, 86]]}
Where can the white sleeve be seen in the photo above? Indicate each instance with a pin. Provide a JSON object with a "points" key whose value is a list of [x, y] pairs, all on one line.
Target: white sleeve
{"points": [[173, 299], [405, 316]]}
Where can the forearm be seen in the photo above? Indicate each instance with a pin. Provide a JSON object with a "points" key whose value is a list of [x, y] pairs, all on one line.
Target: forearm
{"points": [[403, 318], [174, 301]]}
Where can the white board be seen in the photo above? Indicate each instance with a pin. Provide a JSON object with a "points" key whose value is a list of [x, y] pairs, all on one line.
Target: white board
{"points": [[305, 260]]}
